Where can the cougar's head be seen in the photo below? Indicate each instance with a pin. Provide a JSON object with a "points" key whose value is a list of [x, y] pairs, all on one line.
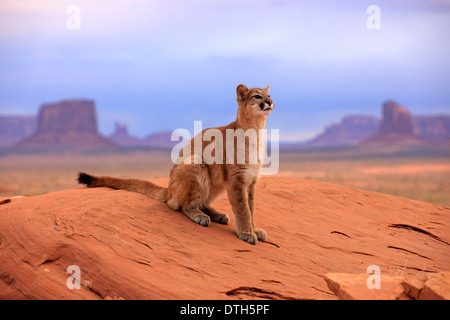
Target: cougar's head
{"points": [[255, 101]]}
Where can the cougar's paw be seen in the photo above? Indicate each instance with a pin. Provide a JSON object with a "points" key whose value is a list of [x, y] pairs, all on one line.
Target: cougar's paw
{"points": [[249, 237], [222, 218], [217, 216], [261, 234], [202, 220]]}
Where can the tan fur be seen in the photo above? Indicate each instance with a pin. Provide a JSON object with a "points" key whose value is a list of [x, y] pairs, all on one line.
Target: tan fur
{"points": [[193, 187]]}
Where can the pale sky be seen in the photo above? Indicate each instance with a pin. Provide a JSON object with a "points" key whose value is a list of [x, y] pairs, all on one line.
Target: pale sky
{"points": [[162, 64]]}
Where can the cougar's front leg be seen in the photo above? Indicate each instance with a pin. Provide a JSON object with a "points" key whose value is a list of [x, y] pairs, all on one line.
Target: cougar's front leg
{"points": [[238, 196], [260, 233], [216, 216]]}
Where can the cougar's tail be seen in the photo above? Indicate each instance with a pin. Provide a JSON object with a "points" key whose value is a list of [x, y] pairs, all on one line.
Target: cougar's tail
{"points": [[145, 187]]}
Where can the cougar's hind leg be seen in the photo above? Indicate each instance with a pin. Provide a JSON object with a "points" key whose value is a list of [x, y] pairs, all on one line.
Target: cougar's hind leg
{"points": [[188, 190], [193, 202]]}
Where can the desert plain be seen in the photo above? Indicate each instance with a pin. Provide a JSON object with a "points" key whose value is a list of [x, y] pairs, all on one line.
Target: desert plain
{"points": [[417, 175]]}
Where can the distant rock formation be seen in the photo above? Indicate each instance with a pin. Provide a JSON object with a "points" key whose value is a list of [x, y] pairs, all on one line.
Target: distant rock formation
{"points": [[121, 137], [158, 140], [13, 129], [434, 128], [351, 130], [396, 126], [161, 140], [67, 123], [396, 120]]}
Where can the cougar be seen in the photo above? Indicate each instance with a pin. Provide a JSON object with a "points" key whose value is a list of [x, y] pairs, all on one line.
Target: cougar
{"points": [[193, 185]]}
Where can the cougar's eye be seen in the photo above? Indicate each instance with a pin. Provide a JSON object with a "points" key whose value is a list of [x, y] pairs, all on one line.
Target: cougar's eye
{"points": [[257, 96]]}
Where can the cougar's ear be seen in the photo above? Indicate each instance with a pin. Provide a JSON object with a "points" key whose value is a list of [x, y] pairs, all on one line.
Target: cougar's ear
{"points": [[267, 89], [241, 91]]}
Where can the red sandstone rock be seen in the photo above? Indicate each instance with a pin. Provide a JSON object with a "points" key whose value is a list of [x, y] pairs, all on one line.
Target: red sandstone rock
{"points": [[132, 247], [354, 287], [431, 286], [437, 287], [413, 285]]}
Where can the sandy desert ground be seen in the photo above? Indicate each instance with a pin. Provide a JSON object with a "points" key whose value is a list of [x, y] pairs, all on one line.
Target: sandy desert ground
{"points": [[423, 177]]}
